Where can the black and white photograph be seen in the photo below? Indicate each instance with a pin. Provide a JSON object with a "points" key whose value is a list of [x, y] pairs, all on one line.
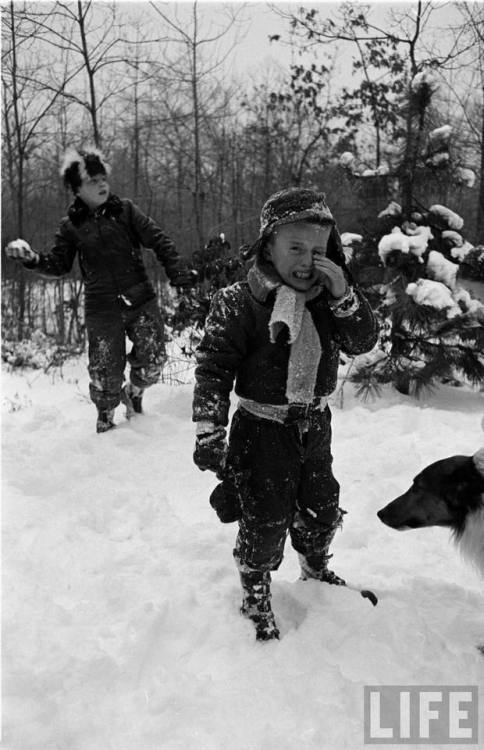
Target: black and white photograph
{"points": [[242, 383]]}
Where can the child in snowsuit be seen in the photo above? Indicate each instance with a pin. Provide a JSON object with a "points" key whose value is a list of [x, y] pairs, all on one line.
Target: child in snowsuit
{"points": [[108, 233], [278, 335]]}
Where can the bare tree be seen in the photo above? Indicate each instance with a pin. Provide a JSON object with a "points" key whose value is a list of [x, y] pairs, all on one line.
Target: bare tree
{"points": [[88, 36], [193, 71], [474, 27], [397, 51], [28, 100]]}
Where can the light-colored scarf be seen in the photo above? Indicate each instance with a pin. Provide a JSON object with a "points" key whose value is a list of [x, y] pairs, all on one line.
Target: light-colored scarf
{"points": [[290, 310]]}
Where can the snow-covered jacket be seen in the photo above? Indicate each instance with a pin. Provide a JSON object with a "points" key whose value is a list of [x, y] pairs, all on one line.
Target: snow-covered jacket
{"points": [[108, 243], [236, 346]]}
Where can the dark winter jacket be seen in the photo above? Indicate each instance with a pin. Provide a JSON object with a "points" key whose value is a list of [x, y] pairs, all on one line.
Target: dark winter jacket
{"points": [[108, 242], [236, 346]]}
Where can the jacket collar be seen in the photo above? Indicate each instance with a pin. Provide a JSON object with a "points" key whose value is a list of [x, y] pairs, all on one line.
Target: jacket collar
{"points": [[263, 279], [78, 211]]}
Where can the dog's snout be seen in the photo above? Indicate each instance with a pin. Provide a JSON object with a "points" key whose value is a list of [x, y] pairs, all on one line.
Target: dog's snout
{"points": [[388, 517], [397, 513]]}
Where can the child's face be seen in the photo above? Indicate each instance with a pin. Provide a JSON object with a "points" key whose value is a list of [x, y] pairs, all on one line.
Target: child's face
{"points": [[94, 191], [292, 248]]}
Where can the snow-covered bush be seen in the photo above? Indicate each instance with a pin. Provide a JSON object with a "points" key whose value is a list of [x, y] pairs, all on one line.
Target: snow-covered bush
{"points": [[433, 294], [38, 352], [346, 159], [441, 269], [465, 176], [216, 268], [447, 219], [431, 325]]}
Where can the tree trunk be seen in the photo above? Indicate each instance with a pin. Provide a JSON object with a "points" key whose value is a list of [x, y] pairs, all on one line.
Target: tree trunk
{"points": [[90, 75], [480, 204], [198, 193]]}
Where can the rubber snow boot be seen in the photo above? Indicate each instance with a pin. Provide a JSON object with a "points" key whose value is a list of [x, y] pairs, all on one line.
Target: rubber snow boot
{"points": [[316, 567], [256, 604], [132, 397], [105, 420]]}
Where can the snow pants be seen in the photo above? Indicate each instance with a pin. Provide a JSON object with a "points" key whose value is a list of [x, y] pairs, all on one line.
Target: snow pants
{"points": [[283, 478], [107, 332]]}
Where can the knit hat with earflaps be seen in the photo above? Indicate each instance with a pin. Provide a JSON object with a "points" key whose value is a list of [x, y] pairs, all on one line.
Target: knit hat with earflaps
{"points": [[79, 164], [291, 205]]}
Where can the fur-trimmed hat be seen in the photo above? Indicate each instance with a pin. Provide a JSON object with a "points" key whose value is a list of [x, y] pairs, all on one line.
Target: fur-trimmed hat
{"points": [[82, 163], [291, 205], [287, 206]]}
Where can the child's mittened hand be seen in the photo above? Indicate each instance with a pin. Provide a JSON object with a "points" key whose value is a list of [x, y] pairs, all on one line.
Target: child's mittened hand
{"points": [[185, 279], [211, 450], [21, 250], [331, 275]]}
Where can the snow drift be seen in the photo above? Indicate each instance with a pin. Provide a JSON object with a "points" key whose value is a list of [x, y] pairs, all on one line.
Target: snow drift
{"points": [[121, 623]]}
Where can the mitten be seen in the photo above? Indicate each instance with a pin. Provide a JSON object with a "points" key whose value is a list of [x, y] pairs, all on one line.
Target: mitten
{"points": [[225, 501], [21, 250], [210, 448], [185, 278]]}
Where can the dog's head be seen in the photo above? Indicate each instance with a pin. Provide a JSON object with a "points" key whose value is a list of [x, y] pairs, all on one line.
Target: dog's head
{"points": [[443, 494]]}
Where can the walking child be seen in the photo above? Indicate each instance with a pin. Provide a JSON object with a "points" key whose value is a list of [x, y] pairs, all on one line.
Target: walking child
{"points": [[278, 336], [107, 233]]}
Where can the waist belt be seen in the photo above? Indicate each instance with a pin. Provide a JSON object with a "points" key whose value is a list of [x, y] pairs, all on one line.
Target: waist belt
{"points": [[284, 413]]}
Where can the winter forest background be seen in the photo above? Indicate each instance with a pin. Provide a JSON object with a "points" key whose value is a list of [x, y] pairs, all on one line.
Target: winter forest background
{"points": [[121, 627], [379, 105]]}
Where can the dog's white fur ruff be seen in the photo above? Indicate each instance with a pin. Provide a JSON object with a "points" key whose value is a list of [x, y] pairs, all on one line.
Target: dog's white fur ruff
{"points": [[478, 459], [471, 542]]}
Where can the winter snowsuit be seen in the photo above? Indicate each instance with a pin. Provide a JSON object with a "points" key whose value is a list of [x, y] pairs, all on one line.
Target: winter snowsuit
{"points": [[279, 473], [119, 298]]}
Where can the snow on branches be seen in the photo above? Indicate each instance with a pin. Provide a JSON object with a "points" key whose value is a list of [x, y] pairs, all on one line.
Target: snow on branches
{"points": [[441, 269], [430, 315], [414, 239], [433, 294], [447, 218]]}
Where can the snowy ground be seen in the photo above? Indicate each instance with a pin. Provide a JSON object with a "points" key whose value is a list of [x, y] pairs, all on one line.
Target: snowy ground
{"points": [[121, 624]]}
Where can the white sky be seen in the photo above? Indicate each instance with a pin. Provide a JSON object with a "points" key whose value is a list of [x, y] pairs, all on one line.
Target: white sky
{"points": [[253, 52]]}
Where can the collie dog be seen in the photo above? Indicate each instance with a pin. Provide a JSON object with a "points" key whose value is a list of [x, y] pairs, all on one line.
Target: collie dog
{"points": [[447, 493]]}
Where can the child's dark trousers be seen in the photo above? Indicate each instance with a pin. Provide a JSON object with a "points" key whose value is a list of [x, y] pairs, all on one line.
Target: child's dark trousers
{"points": [[283, 478], [107, 332]]}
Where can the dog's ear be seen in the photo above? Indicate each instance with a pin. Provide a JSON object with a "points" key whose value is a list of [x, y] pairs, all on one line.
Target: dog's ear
{"points": [[467, 473], [443, 474], [465, 487], [456, 480]]}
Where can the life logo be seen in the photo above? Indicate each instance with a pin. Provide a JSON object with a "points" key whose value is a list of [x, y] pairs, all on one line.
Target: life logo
{"points": [[416, 714]]}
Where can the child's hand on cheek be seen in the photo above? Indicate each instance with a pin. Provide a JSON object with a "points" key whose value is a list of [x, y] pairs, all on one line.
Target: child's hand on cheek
{"points": [[330, 275]]}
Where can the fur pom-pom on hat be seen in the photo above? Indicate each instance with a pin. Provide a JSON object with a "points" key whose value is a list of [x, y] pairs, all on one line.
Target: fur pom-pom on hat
{"points": [[79, 164]]}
